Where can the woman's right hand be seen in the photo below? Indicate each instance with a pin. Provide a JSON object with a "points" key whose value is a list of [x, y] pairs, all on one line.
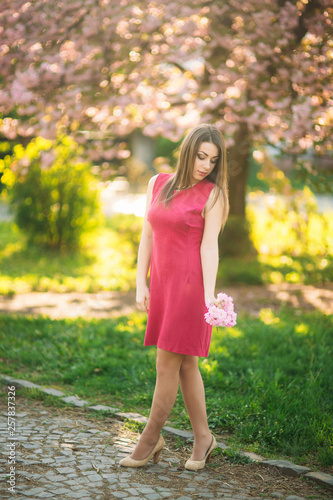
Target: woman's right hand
{"points": [[142, 298]]}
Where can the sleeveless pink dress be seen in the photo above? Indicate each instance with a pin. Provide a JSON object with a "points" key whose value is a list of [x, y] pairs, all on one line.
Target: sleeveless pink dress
{"points": [[176, 320]]}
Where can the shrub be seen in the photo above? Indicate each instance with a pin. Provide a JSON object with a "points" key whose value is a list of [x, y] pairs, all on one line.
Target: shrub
{"points": [[52, 191]]}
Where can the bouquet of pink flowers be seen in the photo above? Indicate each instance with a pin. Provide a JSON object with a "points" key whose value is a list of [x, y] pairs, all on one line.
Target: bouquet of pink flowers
{"points": [[221, 311]]}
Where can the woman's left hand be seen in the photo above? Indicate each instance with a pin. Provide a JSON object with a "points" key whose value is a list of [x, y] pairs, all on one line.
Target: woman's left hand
{"points": [[209, 300]]}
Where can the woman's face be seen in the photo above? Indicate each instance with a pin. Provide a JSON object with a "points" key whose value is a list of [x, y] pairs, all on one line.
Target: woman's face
{"points": [[206, 159]]}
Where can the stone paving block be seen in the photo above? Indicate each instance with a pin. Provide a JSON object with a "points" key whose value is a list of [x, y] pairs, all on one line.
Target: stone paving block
{"points": [[132, 416], [104, 462], [124, 485], [83, 480], [60, 491], [164, 478], [134, 498], [125, 475], [33, 491], [75, 401], [110, 450], [84, 467], [146, 490], [78, 494], [95, 478], [200, 477], [72, 482], [119, 494], [84, 435], [89, 472], [104, 408], [45, 494], [252, 456], [23, 383], [48, 461], [53, 392], [294, 497], [214, 481], [65, 470], [55, 477], [286, 467], [133, 492], [27, 462], [178, 432], [321, 478], [109, 478], [153, 496], [63, 460]]}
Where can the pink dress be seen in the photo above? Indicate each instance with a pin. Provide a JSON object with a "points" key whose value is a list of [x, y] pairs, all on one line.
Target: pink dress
{"points": [[176, 320]]}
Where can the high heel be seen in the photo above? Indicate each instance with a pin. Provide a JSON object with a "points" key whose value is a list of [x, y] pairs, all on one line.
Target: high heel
{"points": [[200, 464], [156, 451]]}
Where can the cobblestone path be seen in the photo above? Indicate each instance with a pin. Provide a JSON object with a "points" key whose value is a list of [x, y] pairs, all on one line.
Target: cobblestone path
{"points": [[64, 454]]}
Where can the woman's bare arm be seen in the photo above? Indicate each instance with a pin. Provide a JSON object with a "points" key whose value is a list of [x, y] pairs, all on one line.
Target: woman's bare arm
{"points": [[144, 255], [209, 250]]}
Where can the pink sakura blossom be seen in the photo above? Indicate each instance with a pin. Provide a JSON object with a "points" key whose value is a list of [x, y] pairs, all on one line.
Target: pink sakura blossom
{"points": [[254, 62], [221, 311]]}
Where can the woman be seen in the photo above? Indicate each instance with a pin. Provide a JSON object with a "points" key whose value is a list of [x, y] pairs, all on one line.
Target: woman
{"points": [[179, 243]]}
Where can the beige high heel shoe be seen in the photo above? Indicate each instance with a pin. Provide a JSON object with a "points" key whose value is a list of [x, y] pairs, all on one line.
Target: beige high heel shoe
{"points": [[200, 464], [130, 462]]}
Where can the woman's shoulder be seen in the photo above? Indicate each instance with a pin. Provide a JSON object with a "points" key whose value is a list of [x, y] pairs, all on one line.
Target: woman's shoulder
{"points": [[164, 176], [158, 181], [215, 196], [160, 178]]}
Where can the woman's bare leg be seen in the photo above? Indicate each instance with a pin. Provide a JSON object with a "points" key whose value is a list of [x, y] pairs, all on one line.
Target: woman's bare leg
{"points": [[194, 397], [166, 389]]}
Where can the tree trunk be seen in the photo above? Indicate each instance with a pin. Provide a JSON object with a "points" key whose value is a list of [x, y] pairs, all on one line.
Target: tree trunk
{"points": [[235, 239], [140, 165], [238, 163]]}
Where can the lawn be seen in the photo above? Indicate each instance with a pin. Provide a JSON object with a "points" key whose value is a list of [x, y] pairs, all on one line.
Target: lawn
{"points": [[268, 380]]}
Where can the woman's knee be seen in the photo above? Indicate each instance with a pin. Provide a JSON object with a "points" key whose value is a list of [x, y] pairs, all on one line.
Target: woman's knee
{"points": [[189, 366], [168, 363]]}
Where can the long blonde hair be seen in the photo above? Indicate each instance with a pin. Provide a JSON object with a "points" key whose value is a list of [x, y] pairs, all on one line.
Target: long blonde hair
{"points": [[184, 168]]}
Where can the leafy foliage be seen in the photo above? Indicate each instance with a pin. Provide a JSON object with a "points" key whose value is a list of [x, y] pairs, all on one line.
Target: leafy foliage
{"points": [[52, 192]]}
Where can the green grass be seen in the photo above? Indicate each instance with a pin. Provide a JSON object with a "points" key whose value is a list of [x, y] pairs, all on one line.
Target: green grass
{"points": [[107, 261], [268, 380]]}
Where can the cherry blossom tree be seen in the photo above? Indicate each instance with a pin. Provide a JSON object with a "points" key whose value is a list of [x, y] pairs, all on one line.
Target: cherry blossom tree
{"points": [[99, 70], [262, 71]]}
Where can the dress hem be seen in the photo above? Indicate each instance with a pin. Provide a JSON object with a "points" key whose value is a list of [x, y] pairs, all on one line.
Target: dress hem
{"points": [[178, 351]]}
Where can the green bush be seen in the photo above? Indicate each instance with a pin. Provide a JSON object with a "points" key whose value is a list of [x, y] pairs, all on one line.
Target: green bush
{"points": [[52, 191]]}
